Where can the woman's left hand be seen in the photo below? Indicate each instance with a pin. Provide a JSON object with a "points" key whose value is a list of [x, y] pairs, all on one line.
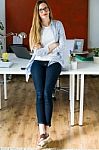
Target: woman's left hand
{"points": [[37, 46]]}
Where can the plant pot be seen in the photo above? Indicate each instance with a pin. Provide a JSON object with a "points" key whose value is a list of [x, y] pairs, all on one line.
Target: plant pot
{"points": [[96, 60]]}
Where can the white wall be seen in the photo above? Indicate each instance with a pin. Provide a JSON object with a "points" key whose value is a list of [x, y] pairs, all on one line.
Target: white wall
{"points": [[2, 18], [93, 24]]}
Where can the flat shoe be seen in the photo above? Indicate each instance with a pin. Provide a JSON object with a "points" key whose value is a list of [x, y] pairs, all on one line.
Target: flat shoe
{"points": [[38, 147], [44, 140]]}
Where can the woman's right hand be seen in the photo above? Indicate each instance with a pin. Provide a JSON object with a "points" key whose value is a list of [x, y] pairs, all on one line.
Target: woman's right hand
{"points": [[52, 46]]}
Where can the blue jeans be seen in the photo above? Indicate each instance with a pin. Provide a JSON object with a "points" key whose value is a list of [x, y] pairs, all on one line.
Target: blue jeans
{"points": [[44, 78]]}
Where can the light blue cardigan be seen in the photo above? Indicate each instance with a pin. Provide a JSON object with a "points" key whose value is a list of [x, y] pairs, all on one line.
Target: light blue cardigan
{"points": [[58, 52]]}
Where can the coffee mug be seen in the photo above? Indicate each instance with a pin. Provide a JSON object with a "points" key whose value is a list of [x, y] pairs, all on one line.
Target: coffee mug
{"points": [[74, 65]]}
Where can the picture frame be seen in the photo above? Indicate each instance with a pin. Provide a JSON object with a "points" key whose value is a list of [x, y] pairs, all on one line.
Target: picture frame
{"points": [[78, 46]]}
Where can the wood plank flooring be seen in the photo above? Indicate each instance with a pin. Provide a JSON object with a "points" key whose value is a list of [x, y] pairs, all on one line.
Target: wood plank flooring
{"points": [[18, 126]]}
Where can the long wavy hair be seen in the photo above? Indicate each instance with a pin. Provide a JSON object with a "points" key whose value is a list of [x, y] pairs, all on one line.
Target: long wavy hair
{"points": [[35, 32]]}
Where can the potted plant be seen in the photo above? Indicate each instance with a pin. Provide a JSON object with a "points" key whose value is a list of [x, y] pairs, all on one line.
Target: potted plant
{"points": [[96, 55], [1, 29]]}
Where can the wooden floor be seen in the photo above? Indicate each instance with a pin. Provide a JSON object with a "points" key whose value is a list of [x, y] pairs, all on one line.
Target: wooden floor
{"points": [[18, 127]]}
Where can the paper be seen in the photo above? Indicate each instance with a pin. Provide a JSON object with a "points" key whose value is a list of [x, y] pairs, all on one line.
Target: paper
{"points": [[70, 45], [5, 64]]}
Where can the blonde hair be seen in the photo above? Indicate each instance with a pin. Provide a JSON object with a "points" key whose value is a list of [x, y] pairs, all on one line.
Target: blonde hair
{"points": [[35, 32]]}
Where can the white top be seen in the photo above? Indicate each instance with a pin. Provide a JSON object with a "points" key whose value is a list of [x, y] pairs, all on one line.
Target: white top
{"points": [[47, 37], [58, 54]]}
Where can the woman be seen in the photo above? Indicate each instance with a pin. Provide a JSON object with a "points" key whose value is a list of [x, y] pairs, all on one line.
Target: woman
{"points": [[47, 40]]}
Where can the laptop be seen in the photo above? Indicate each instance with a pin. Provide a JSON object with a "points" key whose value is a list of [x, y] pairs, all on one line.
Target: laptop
{"points": [[21, 51]]}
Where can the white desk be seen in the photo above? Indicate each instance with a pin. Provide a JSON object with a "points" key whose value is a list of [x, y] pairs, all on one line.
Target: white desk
{"points": [[85, 68], [18, 63], [16, 69]]}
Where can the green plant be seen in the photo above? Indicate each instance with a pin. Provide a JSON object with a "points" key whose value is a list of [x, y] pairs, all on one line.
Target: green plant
{"points": [[1, 26], [95, 52], [1, 29]]}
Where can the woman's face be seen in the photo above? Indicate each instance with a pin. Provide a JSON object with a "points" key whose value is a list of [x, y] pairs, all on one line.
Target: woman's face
{"points": [[43, 11]]}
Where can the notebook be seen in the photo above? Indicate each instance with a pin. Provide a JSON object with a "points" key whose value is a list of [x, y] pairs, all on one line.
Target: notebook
{"points": [[21, 51]]}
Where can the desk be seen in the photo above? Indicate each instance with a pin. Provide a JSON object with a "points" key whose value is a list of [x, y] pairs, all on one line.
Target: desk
{"points": [[85, 68], [16, 69], [18, 63]]}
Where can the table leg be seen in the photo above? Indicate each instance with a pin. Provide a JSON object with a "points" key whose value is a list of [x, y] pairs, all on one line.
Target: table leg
{"points": [[5, 87], [77, 96], [70, 87], [81, 100], [0, 96], [72, 84]]}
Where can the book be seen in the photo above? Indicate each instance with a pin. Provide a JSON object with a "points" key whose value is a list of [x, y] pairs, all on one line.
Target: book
{"points": [[88, 57]]}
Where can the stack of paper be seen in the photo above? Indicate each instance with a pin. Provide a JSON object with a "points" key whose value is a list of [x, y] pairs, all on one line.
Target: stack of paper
{"points": [[5, 64]]}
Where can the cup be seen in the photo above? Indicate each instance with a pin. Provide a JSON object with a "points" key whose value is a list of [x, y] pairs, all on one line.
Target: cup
{"points": [[74, 65]]}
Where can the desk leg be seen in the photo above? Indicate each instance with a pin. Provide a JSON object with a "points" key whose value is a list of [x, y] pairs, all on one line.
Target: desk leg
{"points": [[0, 96], [77, 96], [72, 98], [5, 87], [70, 83], [81, 100]]}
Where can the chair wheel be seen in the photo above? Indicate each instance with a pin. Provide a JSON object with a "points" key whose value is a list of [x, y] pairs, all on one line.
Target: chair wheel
{"points": [[54, 98]]}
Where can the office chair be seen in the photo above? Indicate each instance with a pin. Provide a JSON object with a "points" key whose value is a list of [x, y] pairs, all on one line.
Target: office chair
{"points": [[58, 88]]}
